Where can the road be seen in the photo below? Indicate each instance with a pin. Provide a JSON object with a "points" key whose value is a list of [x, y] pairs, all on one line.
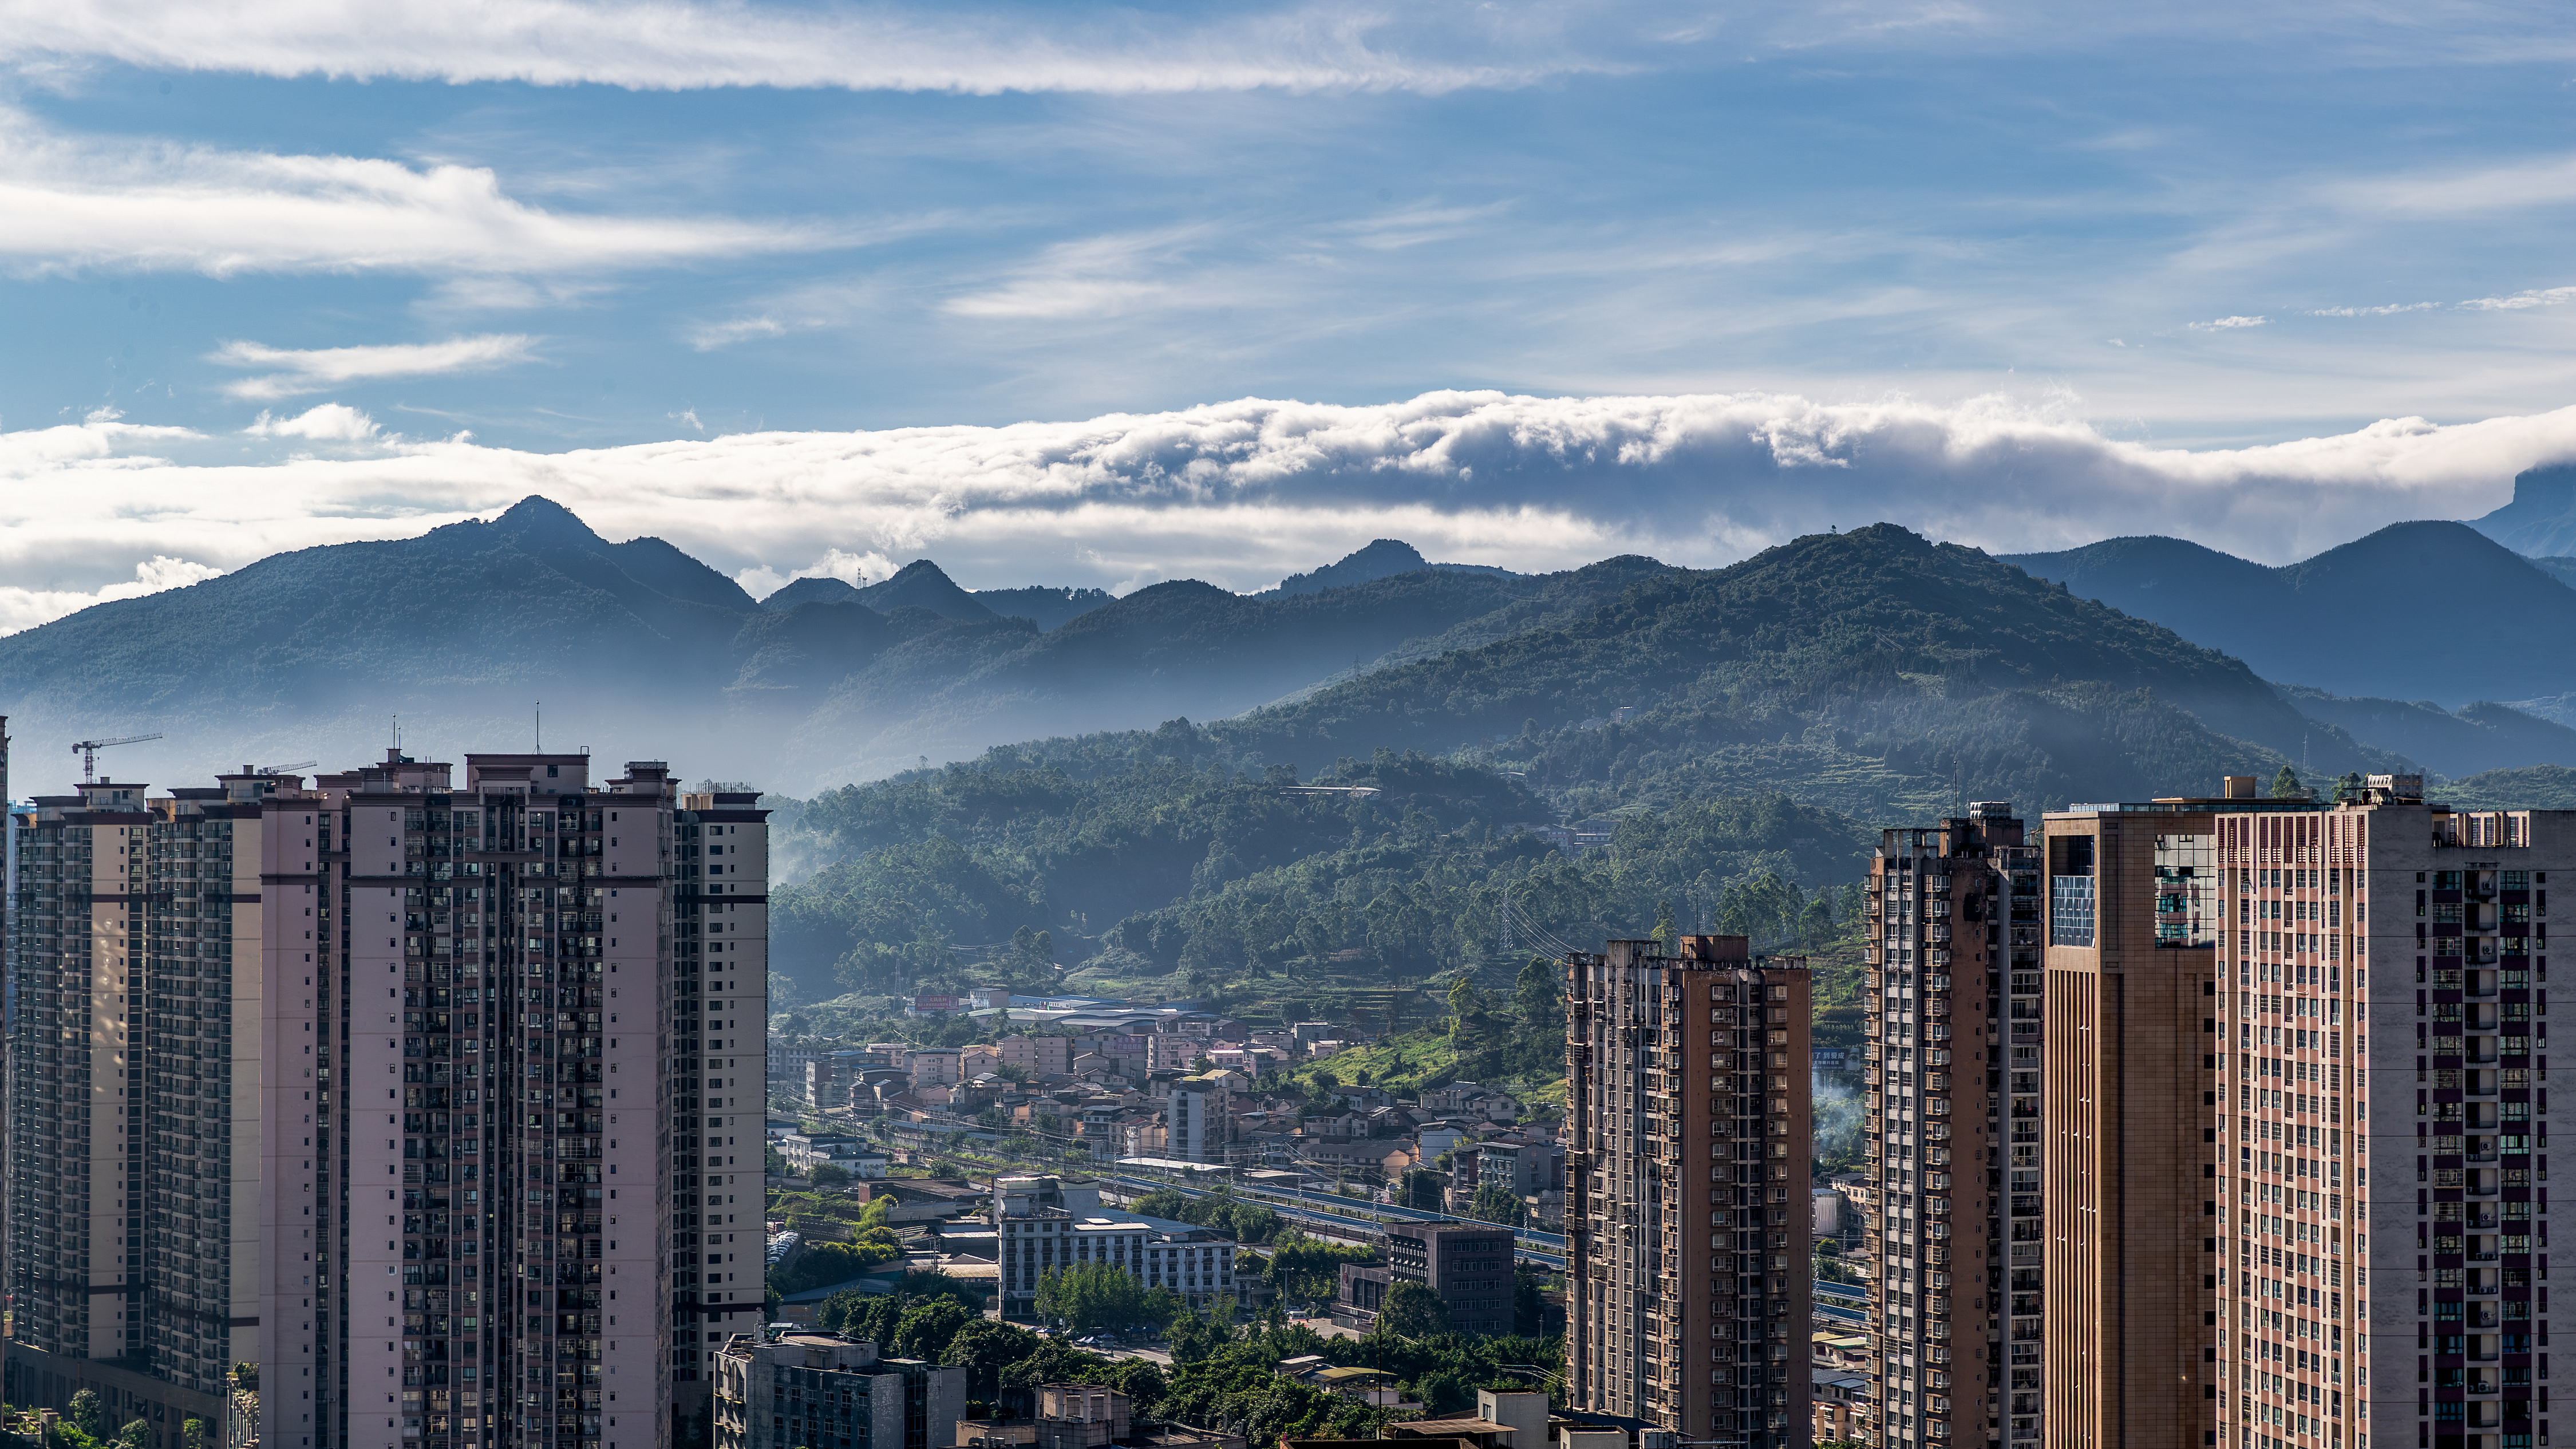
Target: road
{"points": [[1346, 1226], [1350, 1223]]}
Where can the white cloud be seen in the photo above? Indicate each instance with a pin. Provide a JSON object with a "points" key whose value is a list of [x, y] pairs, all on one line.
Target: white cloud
{"points": [[1241, 493], [857, 570], [26, 608], [328, 423], [1099, 276], [2390, 310], [2519, 301], [2512, 187], [2230, 324], [321, 369], [91, 202], [713, 335], [679, 46]]}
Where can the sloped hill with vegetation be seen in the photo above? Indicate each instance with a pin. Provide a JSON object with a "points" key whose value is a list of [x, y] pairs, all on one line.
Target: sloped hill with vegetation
{"points": [[1168, 855], [2533, 787], [1872, 671]]}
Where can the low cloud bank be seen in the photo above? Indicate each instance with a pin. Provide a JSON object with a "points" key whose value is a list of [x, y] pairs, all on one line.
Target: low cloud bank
{"points": [[1241, 493]]}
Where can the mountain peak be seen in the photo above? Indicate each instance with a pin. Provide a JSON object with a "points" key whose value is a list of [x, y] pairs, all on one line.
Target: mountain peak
{"points": [[540, 521], [922, 584], [824, 590], [1382, 558]]}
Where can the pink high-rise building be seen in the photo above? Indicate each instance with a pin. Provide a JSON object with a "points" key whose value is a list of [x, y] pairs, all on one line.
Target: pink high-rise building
{"points": [[444, 1102]]}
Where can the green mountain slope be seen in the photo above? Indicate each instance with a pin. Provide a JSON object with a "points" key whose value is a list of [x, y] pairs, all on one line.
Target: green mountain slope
{"points": [[1169, 854], [1873, 671]]}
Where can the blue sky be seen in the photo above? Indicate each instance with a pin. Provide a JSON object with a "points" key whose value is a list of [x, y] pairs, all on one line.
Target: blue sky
{"points": [[560, 226]]}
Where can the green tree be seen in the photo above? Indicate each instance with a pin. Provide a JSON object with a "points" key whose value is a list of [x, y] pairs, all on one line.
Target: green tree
{"points": [[829, 1174], [137, 1434], [984, 1347], [1423, 1188], [925, 1329], [1411, 1311], [89, 1415], [1529, 1302], [2285, 785], [192, 1434], [1496, 1203], [1195, 1336], [1538, 993], [1667, 935]]}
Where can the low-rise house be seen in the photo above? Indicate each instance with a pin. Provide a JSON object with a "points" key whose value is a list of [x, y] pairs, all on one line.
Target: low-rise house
{"points": [[1839, 1401], [1069, 1416], [1468, 1265], [933, 1066], [804, 1152], [1038, 1055], [923, 1199], [822, 1388], [1045, 1224]]}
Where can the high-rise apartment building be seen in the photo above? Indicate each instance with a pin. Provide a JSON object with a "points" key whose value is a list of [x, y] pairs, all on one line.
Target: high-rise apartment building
{"points": [[2132, 917], [1688, 1114], [2251, 1004], [1951, 1132], [76, 1134], [2384, 1005], [568, 1043]]}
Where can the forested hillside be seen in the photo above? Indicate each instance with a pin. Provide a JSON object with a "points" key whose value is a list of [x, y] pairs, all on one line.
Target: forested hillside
{"points": [[1874, 672], [1169, 854]]}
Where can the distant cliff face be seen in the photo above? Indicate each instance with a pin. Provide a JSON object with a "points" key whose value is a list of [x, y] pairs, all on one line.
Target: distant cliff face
{"points": [[2541, 519]]}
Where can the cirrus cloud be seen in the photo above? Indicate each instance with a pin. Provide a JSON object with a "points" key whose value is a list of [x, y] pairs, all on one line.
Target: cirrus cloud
{"points": [[324, 368], [680, 46], [73, 202]]}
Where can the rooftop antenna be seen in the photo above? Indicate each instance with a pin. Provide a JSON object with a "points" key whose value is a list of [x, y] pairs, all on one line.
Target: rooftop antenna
{"points": [[541, 727], [88, 751]]}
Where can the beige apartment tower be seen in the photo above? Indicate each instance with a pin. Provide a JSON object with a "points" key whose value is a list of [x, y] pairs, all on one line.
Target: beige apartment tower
{"points": [[436, 1098], [2384, 1122], [1688, 1140]]}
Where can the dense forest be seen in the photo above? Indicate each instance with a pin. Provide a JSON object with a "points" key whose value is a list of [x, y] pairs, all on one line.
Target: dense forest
{"points": [[1167, 853]]}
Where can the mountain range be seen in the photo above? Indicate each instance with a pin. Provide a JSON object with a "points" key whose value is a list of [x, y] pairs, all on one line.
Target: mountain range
{"points": [[1872, 671]]}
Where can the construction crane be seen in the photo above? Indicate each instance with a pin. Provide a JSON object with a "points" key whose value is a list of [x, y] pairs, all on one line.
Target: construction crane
{"points": [[282, 769], [88, 751]]}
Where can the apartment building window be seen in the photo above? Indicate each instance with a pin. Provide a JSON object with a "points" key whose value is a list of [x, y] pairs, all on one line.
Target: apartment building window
{"points": [[2070, 910]]}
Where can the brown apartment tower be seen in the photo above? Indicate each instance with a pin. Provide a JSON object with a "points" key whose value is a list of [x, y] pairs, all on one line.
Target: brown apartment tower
{"points": [[1951, 1132], [2126, 1160], [437, 1099], [1688, 1121]]}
